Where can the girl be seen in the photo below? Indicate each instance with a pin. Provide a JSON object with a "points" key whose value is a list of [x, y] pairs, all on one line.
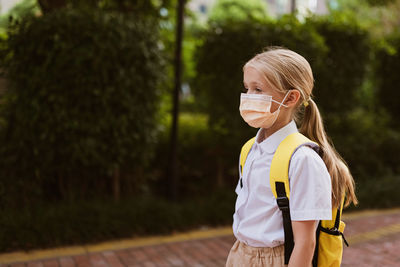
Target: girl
{"points": [[317, 183]]}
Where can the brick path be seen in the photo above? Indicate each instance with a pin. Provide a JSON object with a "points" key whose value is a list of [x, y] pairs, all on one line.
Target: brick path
{"points": [[374, 241]]}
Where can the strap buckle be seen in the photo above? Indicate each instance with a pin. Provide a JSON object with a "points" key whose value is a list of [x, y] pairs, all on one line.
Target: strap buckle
{"points": [[283, 203]]}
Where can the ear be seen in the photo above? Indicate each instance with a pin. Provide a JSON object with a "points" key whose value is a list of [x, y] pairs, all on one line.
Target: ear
{"points": [[292, 98]]}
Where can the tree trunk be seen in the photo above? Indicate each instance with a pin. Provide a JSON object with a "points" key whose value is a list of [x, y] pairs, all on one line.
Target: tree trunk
{"points": [[293, 6], [172, 172]]}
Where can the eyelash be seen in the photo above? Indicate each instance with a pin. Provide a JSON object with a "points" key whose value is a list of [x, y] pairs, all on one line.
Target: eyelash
{"points": [[256, 89]]}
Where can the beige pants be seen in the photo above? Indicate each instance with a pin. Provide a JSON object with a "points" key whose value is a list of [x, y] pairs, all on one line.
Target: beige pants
{"points": [[242, 255]]}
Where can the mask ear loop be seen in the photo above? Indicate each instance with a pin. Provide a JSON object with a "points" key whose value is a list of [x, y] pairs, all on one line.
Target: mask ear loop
{"points": [[279, 108], [283, 100]]}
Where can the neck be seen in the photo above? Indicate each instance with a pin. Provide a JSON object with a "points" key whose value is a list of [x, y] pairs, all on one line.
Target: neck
{"points": [[265, 133]]}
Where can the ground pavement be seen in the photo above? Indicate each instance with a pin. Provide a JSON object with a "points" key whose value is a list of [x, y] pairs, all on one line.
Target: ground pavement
{"points": [[374, 238]]}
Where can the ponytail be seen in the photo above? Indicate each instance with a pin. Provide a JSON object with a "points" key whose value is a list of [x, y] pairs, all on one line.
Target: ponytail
{"points": [[342, 180]]}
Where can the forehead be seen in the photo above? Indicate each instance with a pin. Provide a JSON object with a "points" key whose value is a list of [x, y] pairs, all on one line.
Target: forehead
{"points": [[253, 76]]}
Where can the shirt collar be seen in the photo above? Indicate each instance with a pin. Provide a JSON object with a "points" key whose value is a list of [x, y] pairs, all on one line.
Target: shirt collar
{"points": [[271, 143]]}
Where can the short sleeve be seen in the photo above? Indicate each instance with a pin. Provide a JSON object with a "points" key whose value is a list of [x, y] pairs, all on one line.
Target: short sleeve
{"points": [[310, 186]]}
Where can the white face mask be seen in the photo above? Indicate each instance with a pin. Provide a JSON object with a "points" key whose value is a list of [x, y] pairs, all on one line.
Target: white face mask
{"points": [[255, 109]]}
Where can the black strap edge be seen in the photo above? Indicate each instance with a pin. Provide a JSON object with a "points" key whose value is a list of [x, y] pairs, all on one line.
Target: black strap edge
{"points": [[283, 204], [337, 219], [333, 231], [315, 257]]}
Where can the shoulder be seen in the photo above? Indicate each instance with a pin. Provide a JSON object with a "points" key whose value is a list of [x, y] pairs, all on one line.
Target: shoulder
{"points": [[308, 164], [306, 154], [310, 186]]}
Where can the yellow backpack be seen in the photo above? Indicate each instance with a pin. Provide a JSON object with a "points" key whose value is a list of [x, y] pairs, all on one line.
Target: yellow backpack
{"points": [[329, 234]]}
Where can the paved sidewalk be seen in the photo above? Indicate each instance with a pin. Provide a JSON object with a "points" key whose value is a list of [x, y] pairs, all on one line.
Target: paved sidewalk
{"points": [[374, 238]]}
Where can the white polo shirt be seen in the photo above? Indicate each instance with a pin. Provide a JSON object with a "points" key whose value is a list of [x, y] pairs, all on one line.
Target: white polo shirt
{"points": [[257, 220]]}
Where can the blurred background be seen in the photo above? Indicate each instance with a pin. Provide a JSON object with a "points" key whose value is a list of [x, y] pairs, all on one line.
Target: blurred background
{"points": [[110, 128]]}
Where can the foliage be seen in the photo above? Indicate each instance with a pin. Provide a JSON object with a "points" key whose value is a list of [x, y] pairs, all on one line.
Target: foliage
{"points": [[388, 80], [197, 162], [380, 2], [344, 67], [53, 225], [234, 10], [380, 17], [386, 93], [24, 8], [354, 110], [378, 193], [137, 7], [82, 101]]}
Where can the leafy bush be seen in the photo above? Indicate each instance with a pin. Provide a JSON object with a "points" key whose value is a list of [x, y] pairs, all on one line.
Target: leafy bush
{"points": [[345, 90], [234, 10], [388, 61], [81, 105], [51, 225], [21, 9], [379, 193], [340, 78], [198, 165]]}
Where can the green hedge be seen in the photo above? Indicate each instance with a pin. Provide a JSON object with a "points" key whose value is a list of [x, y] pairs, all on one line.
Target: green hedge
{"points": [[81, 105], [199, 169], [51, 225], [340, 77], [378, 193], [385, 99], [386, 68]]}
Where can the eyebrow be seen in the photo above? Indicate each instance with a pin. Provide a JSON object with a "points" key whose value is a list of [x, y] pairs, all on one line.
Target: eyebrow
{"points": [[256, 83]]}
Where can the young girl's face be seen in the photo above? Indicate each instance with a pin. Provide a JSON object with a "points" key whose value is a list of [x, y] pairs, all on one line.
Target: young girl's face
{"points": [[255, 83]]}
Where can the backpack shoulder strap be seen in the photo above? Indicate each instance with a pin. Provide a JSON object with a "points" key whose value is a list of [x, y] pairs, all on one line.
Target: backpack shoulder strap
{"points": [[279, 181], [245, 152], [279, 171]]}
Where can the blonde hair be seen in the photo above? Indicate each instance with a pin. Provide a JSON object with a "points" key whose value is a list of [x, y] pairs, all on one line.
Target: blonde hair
{"points": [[284, 70]]}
